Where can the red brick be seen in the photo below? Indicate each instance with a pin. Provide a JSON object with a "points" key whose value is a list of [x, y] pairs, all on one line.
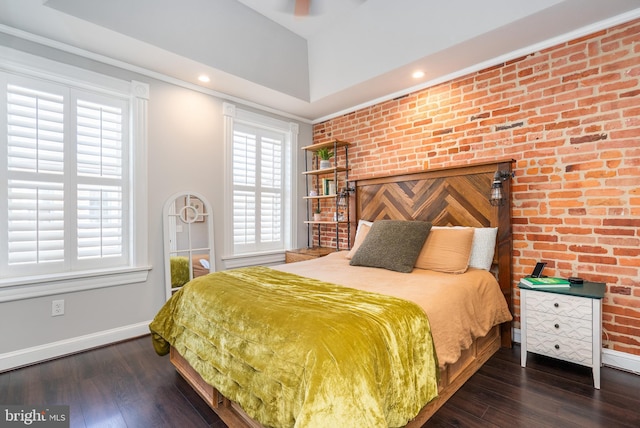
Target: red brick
{"points": [[622, 222], [588, 249]]}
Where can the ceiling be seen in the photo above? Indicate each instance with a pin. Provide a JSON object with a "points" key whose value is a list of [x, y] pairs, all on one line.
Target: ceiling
{"points": [[322, 13], [344, 55]]}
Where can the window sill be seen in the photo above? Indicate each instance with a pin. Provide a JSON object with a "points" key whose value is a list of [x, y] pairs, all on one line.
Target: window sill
{"points": [[46, 285], [237, 261]]}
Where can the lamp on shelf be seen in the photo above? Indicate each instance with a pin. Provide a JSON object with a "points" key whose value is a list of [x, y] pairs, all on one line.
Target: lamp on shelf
{"points": [[496, 196]]}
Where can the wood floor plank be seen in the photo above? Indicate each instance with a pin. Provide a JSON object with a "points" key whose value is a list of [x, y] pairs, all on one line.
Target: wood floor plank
{"points": [[455, 417], [98, 403], [570, 385], [128, 385]]}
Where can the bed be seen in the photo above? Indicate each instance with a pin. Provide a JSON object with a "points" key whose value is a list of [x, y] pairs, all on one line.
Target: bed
{"points": [[452, 197]]}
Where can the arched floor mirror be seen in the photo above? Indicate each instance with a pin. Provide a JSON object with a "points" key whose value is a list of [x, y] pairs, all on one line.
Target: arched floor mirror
{"points": [[188, 239]]}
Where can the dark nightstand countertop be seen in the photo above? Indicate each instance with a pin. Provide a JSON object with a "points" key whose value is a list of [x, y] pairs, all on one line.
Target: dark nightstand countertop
{"points": [[314, 251], [593, 290]]}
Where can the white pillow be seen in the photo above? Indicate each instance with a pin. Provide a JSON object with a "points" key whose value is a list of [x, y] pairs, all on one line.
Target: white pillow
{"points": [[483, 246], [361, 233]]}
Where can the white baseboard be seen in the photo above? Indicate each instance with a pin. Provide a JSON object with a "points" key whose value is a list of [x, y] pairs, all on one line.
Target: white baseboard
{"points": [[610, 358], [23, 357], [516, 335], [621, 360]]}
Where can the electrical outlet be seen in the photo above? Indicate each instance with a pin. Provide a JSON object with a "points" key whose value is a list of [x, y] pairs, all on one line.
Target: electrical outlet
{"points": [[57, 308]]}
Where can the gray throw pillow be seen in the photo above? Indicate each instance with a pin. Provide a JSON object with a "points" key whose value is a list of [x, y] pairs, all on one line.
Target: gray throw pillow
{"points": [[392, 244]]}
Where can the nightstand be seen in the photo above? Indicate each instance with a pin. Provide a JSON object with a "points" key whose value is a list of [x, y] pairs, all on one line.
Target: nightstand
{"points": [[563, 323], [301, 254]]}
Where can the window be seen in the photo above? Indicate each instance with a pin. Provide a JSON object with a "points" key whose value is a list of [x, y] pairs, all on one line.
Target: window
{"points": [[259, 182], [66, 178]]}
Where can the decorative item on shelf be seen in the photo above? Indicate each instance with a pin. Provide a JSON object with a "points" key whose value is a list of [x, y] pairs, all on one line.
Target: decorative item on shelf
{"points": [[317, 214], [328, 187], [313, 193], [497, 197], [325, 155]]}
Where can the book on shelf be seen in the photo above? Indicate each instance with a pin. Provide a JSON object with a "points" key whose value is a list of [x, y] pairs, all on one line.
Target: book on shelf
{"points": [[328, 187], [545, 282]]}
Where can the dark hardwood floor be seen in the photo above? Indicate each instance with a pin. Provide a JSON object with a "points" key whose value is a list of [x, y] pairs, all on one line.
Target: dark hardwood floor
{"points": [[127, 385]]}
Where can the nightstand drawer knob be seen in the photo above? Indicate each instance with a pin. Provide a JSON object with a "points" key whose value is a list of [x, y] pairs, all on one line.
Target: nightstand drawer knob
{"points": [[556, 305], [557, 325], [557, 346]]}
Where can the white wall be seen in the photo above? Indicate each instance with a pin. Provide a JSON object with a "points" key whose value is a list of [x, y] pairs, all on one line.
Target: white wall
{"points": [[185, 152]]}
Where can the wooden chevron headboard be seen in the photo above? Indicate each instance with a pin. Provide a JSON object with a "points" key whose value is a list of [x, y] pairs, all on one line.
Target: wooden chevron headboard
{"points": [[457, 196]]}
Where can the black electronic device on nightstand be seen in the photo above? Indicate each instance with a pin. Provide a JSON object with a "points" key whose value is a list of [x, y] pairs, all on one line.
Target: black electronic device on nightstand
{"points": [[537, 271], [575, 281]]}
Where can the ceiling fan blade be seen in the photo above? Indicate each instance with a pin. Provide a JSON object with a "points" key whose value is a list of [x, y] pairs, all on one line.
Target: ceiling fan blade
{"points": [[301, 7]]}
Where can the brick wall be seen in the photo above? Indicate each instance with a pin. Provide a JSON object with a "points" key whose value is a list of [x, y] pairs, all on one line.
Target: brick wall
{"points": [[570, 117]]}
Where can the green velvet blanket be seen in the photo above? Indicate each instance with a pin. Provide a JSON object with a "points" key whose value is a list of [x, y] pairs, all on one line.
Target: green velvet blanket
{"points": [[294, 351], [179, 271]]}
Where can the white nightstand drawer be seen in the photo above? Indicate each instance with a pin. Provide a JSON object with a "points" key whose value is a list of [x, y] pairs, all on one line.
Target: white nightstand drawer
{"points": [[559, 304], [576, 351], [573, 328]]}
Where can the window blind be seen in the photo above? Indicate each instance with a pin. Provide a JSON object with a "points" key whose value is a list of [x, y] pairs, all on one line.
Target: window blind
{"points": [[99, 135], [35, 222], [99, 152], [258, 177], [35, 130], [35, 167], [67, 179]]}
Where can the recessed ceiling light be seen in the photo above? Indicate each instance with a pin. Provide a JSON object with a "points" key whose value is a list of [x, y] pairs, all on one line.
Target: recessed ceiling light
{"points": [[417, 74], [204, 78]]}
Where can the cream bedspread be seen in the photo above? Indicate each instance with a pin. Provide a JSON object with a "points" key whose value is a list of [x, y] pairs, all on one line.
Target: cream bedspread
{"points": [[460, 307]]}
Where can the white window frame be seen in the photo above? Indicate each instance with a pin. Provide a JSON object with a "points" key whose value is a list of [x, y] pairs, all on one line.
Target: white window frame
{"points": [[136, 95], [233, 115]]}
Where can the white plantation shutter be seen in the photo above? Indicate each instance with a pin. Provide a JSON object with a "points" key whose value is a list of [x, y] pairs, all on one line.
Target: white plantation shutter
{"points": [[100, 221], [244, 158], [35, 167], [271, 218], [35, 222], [271, 195], [99, 148], [258, 178], [101, 179], [244, 218], [67, 179], [35, 122]]}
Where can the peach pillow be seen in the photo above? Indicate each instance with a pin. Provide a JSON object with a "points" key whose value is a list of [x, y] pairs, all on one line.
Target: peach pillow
{"points": [[446, 250], [483, 247]]}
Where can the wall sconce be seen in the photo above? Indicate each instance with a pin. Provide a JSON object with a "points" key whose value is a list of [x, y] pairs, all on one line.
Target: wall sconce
{"points": [[497, 196], [343, 196]]}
